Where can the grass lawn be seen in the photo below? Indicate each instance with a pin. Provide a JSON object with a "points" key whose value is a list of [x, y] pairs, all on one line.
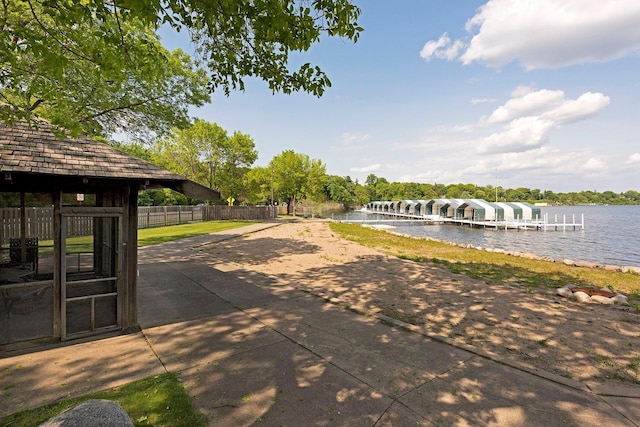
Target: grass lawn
{"points": [[492, 267], [154, 401], [153, 236], [149, 236]]}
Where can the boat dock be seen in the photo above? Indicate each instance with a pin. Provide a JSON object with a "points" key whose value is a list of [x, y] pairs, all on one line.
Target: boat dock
{"points": [[543, 224]]}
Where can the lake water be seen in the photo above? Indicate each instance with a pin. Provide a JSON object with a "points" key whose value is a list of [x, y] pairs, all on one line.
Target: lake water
{"points": [[611, 235]]}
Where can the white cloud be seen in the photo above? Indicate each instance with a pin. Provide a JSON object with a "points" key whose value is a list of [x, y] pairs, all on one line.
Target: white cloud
{"points": [[476, 101], [545, 33], [551, 162], [545, 166], [431, 47], [442, 48], [529, 117], [351, 141], [525, 102], [349, 138], [587, 105], [434, 176], [366, 169], [522, 134], [634, 158]]}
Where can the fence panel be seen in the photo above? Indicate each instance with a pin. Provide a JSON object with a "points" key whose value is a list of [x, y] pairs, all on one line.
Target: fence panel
{"points": [[38, 223], [156, 216], [240, 213]]}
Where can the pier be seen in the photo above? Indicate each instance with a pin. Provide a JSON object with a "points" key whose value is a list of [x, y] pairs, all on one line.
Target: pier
{"points": [[558, 224], [475, 213]]}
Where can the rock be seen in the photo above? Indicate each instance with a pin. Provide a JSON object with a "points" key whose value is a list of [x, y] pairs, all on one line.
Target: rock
{"points": [[627, 269], [568, 262], [92, 413], [565, 291], [620, 299], [580, 296], [585, 264], [602, 300], [611, 267], [592, 290]]}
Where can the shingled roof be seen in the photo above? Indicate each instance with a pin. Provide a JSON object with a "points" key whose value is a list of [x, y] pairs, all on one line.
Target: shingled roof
{"points": [[26, 148]]}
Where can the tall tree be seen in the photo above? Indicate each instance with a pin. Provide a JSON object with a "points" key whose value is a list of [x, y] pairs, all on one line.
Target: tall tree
{"points": [[237, 156], [74, 56], [341, 190], [203, 152], [92, 74], [297, 177], [258, 186]]}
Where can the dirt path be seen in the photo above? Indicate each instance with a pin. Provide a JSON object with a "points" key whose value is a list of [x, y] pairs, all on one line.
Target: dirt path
{"points": [[591, 343]]}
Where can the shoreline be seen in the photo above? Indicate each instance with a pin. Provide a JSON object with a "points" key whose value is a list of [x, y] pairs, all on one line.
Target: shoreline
{"points": [[609, 238], [527, 255]]}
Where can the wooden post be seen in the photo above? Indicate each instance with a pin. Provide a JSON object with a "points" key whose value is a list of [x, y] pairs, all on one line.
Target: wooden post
{"points": [[23, 228], [130, 261], [57, 264]]}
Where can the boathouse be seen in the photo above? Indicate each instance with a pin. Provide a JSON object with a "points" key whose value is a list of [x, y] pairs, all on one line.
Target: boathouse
{"points": [[435, 207], [471, 210], [407, 207], [448, 209], [420, 208], [520, 210], [461, 209], [78, 278], [481, 210], [511, 211]]}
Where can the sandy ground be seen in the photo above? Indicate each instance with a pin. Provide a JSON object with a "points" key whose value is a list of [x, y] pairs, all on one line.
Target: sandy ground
{"points": [[591, 343]]}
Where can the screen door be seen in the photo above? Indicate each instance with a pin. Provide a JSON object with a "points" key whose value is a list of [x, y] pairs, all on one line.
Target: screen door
{"points": [[91, 270]]}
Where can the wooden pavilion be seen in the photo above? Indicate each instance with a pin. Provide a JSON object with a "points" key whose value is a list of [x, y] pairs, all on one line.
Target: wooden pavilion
{"points": [[83, 281]]}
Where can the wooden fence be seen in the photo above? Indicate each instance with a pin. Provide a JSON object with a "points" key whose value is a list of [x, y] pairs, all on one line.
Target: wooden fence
{"points": [[239, 213], [39, 221]]}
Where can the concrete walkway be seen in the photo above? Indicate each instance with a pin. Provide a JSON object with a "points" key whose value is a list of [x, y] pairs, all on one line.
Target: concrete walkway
{"points": [[254, 351]]}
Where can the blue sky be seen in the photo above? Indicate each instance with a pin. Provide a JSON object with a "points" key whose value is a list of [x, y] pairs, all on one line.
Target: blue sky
{"points": [[541, 94]]}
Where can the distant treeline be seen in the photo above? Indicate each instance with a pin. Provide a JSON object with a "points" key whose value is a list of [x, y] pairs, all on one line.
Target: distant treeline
{"points": [[350, 193]]}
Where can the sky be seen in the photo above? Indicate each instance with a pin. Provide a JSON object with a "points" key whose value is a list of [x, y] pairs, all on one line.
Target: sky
{"points": [[539, 94]]}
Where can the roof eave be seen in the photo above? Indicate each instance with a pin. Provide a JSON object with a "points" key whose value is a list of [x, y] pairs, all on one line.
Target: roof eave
{"points": [[193, 190]]}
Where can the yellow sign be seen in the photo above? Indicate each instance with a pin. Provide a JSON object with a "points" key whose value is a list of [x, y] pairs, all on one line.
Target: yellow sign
{"points": [[231, 200]]}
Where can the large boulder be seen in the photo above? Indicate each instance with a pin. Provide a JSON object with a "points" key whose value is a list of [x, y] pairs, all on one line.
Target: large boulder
{"points": [[92, 413], [565, 291], [580, 296]]}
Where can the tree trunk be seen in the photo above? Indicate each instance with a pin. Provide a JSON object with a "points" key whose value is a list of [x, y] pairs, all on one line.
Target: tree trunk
{"points": [[291, 209]]}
